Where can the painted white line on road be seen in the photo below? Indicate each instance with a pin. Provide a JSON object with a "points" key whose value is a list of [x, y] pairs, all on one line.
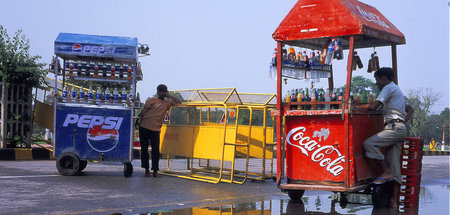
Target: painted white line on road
{"points": [[25, 176]]}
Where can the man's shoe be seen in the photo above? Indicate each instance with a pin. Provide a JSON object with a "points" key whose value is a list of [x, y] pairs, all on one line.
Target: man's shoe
{"points": [[156, 175], [147, 173]]}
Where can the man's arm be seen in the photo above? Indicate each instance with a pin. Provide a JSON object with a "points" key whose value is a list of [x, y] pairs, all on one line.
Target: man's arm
{"points": [[371, 106], [409, 112], [175, 99]]}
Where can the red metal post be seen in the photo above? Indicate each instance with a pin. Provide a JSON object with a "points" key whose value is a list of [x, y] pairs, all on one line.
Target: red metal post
{"points": [[279, 124], [346, 105], [394, 62]]}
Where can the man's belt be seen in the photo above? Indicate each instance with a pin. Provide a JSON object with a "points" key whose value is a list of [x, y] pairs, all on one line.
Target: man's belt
{"points": [[394, 121]]}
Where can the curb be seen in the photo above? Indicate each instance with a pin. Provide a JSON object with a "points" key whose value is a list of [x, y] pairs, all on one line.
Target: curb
{"points": [[44, 154], [433, 153], [25, 154]]}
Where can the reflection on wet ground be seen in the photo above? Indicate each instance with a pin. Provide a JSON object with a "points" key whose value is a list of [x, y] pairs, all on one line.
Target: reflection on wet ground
{"points": [[433, 200]]}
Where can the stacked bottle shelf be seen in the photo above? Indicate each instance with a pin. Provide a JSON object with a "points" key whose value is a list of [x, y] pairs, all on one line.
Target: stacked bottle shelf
{"points": [[97, 71], [411, 168]]}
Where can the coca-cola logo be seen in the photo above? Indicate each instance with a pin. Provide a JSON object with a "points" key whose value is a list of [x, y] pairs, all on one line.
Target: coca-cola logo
{"points": [[372, 17], [321, 154]]}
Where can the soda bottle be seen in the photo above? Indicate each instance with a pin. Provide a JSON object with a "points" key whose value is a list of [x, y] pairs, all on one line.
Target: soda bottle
{"points": [[124, 95], [89, 67], [330, 53], [107, 97], [299, 99], [65, 94], [96, 70], [113, 70], [365, 97], [305, 60], [376, 61], [81, 94], [338, 53], [327, 99], [288, 96], [273, 65], [341, 95], [99, 94], [115, 95], [106, 68], [313, 99], [52, 65], [71, 68], [73, 94], [358, 97], [307, 99], [333, 98], [320, 98], [317, 57], [312, 58], [122, 69], [90, 96], [371, 99], [130, 72]]}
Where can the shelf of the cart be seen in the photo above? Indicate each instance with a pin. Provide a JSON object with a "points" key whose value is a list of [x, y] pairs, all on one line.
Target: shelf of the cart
{"points": [[98, 106]]}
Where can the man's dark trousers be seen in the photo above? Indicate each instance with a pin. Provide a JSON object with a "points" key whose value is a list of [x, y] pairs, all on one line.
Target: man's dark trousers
{"points": [[145, 136]]}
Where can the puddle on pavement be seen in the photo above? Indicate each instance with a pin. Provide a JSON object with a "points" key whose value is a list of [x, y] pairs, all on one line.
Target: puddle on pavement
{"points": [[433, 200]]}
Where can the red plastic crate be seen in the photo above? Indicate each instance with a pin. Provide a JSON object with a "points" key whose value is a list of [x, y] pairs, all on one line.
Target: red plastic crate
{"points": [[414, 190], [409, 200], [411, 167]]}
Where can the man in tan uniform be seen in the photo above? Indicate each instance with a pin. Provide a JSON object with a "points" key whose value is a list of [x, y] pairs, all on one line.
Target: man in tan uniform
{"points": [[150, 121]]}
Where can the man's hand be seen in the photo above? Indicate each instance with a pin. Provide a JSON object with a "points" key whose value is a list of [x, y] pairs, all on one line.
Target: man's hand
{"points": [[137, 122]]}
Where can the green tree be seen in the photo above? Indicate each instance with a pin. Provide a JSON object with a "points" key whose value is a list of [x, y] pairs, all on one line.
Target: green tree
{"points": [[17, 66], [421, 100], [361, 85]]}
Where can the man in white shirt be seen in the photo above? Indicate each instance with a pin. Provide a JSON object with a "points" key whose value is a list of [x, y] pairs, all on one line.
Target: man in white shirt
{"points": [[396, 113]]}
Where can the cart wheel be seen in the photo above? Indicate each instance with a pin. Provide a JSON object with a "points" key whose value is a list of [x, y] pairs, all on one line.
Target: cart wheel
{"points": [[295, 194], [83, 164], [127, 169], [68, 164], [381, 195], [343, 201]]}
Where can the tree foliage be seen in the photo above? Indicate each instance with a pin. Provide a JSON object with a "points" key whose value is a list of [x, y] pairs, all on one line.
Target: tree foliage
{"points": [[361, 85], [421, 100], [17, 66]]}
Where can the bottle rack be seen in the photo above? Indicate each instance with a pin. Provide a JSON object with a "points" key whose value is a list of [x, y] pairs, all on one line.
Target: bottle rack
{"points": [[301, 71], [93, 72]]}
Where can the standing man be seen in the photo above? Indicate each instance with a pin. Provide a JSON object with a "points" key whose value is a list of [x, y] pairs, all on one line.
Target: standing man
{"points": [[150, 121], [396, 113]]}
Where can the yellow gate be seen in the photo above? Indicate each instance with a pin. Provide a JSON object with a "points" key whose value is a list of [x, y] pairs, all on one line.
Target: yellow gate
{"points": [[220, 132]]}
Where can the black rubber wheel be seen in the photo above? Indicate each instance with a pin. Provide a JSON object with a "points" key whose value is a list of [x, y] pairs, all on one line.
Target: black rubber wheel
{"points": [[127, 169], [83, 164], [381, 195], [343, 201], [295, 194], [68, 164]]}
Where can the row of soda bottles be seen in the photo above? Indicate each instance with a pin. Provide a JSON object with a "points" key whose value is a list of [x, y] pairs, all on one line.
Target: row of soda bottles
{"points": [[98, 96], [319, 95], [302, 60], [96, 69]]}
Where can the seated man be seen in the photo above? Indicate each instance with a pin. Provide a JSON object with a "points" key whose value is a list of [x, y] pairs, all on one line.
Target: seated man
{"points": [[396, 113]]}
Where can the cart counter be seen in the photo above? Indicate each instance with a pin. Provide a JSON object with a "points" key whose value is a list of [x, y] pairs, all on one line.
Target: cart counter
{"points": [[321, 149], [94, 132]]}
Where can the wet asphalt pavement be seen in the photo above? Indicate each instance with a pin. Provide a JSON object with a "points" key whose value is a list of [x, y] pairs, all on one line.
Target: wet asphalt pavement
{"points": [[35, 187]]}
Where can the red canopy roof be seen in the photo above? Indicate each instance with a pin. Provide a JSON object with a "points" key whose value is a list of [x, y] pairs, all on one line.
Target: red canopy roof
{"points": [[312, 23]]}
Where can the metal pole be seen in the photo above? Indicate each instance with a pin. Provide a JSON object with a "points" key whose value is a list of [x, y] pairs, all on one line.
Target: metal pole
{"points": [[346, 105], [280, 159], [394, 62]]}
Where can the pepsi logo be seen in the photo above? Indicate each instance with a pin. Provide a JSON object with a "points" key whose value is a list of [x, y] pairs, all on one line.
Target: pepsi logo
{"points": [[102, 140], [77, 47]]}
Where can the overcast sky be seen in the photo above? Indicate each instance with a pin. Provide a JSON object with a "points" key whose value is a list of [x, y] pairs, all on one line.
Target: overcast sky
{"points": [[209, 44]]}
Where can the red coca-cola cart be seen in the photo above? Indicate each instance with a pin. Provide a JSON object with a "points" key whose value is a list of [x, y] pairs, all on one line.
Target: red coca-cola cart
{"points": [[323, 148]]}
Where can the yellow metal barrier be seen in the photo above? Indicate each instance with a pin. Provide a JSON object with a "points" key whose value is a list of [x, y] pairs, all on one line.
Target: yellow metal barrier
{"points": [[216, 126]]}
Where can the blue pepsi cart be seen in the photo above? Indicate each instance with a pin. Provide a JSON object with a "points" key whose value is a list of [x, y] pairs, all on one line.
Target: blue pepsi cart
{"points": [[90, 125]]}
